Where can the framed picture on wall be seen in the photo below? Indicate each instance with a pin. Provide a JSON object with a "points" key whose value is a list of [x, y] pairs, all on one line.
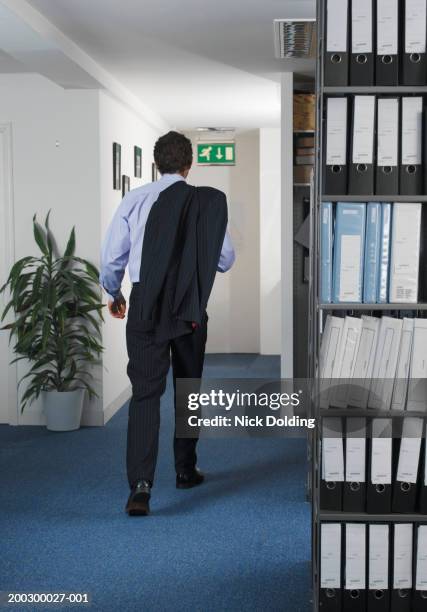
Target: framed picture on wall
{"points": [[154, 172], [117, 165], [125, 184], [137, 162]]}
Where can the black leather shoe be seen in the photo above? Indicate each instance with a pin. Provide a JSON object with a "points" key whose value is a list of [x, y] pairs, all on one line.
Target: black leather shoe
{"points": [[189, 479], [138, 502]]}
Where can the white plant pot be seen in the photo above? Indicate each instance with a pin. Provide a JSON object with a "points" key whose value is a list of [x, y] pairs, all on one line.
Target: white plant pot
{"points": [[63, 409]]}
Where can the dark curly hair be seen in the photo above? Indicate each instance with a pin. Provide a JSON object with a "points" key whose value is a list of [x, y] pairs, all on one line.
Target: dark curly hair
{"points": [[173, 153]]}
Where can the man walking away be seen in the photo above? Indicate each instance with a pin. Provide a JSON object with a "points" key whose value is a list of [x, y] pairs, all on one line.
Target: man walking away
{"points": [[173, 238]]}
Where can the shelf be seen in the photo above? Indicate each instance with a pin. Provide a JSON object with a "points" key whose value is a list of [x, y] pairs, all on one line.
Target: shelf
{"points": [[404, 199], [372, 306], [371, 413], [376, 89], [365, 517], [304, 131], [301, 184]]}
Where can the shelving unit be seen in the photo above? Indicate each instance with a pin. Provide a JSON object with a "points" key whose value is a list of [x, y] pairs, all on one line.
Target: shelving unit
{"points": [[375, 90], [368, 307], [318, 310], [365, 517], [301, 208], [375, 198]]}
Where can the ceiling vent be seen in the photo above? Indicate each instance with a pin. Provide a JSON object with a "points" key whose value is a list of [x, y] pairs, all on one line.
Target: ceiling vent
{"points": [[295, 38], [215, 129]]}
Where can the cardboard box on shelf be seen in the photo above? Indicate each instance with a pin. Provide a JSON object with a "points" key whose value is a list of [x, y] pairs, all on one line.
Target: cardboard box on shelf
{"points": [[302, 174], [304, 112], [305, 141], [305, 151], [304, 160]]}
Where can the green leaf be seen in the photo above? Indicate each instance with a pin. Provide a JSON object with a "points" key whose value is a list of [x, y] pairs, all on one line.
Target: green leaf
{"points": [[6, 310], [39, 237], [71, 244], [46, 331], [15, 271], [49, 240]]}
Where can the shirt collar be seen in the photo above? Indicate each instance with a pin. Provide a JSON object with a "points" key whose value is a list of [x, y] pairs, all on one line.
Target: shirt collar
{"points": [[172, 178]]}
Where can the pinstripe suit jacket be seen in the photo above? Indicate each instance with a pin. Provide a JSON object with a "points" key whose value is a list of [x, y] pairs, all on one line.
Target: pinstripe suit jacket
{"points": [[182, 244]]}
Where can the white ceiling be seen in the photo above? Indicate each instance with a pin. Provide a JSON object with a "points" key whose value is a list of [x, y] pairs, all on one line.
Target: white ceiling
{"points": [[195, 62], [9, 64]]}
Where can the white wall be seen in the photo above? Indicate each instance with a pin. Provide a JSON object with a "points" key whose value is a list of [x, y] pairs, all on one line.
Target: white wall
{"points": [[287, 225], [62, 160], [55, 166], [118, 124], [270, 242], [234, 306]]}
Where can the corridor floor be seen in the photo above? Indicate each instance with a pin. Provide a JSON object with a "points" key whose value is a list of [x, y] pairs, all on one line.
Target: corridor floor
{"points": [[240, 542]]}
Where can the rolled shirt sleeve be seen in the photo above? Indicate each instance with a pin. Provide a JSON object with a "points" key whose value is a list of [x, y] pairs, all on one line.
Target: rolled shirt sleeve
{"points": [[227, 257], [115, 252]]}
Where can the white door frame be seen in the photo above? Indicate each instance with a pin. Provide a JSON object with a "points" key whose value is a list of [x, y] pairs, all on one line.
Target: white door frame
{"points": [[6, 172]]}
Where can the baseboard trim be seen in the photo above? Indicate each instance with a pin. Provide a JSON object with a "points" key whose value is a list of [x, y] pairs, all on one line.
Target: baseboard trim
{"points": [[92, 415], [115, 406], [92, 418]]}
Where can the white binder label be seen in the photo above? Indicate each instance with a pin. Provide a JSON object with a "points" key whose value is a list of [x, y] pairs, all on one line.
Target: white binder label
{"points": [[387, 27], [361, 18], [400, 389], [421, 567], [410, 447], [355, 556], [355, 468], [336, 138], [388, 131], [408, 460], [378, 556], [337, 26], [330, 556], [356, 453], [381, 461], [415, 26], [363, 129], [350, 268], [330, 344], [425, 459], [412, 124], [405, 253], [402, 578], [333, 460]]}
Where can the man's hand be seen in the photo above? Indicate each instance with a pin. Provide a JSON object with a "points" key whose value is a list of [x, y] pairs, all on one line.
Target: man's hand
{"points": [[117, 307]]}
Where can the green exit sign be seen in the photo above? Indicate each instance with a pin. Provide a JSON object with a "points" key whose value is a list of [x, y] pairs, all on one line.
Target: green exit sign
{"points": [[216, 153]]}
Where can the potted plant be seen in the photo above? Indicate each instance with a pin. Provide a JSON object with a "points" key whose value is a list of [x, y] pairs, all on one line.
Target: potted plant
{"points": [[56, 302]]}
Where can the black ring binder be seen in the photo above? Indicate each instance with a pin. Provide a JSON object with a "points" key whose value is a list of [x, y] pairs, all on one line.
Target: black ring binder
{"points": [[361, 58]]}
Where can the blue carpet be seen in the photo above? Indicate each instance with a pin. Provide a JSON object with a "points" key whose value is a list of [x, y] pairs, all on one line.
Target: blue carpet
{"points": [[240, 542]]}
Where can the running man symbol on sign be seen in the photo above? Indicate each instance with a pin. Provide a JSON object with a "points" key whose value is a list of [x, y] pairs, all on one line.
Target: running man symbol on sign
{"points": [[206, 153]]}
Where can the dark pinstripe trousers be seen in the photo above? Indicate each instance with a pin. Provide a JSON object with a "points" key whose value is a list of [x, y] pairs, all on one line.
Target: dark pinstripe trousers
{"points": [[148, 366]]}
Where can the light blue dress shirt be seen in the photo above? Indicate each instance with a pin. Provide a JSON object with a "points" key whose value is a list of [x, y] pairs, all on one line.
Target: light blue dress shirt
{"points": [[122, 245]]}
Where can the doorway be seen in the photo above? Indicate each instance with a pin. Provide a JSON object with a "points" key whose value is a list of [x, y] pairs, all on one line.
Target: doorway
{"points": [[8, 376]]}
